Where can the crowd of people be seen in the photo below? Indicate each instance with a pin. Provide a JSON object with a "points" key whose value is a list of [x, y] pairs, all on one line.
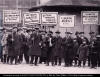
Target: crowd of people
{"points": [[38, 46]]}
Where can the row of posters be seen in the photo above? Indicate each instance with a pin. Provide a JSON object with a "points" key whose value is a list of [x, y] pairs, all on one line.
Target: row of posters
{"points": [[48, 18]]}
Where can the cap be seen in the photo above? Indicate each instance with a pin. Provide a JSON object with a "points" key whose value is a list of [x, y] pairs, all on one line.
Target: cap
{"points": [[36, 28], [91, 32], [15, 27], [58, 32], [68, 33], [76, 33], [24, 27], [50, 32], [81, 33]]}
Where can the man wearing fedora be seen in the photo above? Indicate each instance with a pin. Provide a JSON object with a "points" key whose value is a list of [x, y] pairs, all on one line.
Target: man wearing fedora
{"points": [[56, 49], [68, 49]]}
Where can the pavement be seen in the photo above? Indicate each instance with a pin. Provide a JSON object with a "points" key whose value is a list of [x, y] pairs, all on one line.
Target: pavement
{"points": [[43, 69]]}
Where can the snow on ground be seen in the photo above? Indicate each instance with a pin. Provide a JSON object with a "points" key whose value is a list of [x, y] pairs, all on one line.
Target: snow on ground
{"points": [[43, 69]]}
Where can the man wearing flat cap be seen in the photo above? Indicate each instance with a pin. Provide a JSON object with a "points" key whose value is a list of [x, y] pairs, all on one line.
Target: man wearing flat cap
{"points": [[56, 49], [35, 47], [49, 52], [12, 46], [44, 47], [68, 49]]}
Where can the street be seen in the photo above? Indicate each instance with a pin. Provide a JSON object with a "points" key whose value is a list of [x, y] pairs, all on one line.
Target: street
{"points": [[43, 69]]}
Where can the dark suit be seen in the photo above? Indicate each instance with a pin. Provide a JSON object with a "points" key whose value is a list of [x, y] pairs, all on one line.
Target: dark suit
{"points": [[56, 50], [34, 47], [68, 51]]}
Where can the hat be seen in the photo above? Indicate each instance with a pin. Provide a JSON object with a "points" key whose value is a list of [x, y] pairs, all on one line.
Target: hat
{"points": [[81, 33], [50, 32], [68, 33], [76, 33], [91, 32], [28, 30], [24, 27], [58, 32], [43, 32], [15, 27], [37, 28]]}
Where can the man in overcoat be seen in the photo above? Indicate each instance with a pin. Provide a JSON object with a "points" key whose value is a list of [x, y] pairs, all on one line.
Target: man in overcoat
{"points": [[49, 52], [12, 46], [68, 49], [35, 46], [56, 49], [44, 47]]}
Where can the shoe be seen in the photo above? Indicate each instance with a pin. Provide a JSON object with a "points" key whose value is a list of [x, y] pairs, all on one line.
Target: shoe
{"points": [[47, 64], [31, 64], [59, 64], [35, 64]]}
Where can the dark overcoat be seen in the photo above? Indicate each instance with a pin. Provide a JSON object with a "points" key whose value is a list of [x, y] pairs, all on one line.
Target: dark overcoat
{"points": [[75, 49], [83, 52], [44, 47], [68, 47], [18, 44], [56, 49], [10, 45], [34, 45]]}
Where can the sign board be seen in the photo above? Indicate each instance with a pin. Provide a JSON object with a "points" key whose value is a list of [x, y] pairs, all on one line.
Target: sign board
{"points": [[11, 16], [31, 18], [50, 18], [90, 17], [67, 20]]}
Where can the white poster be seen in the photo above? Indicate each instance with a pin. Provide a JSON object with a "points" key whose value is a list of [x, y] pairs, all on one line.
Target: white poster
{"points": [[11, 16], [90, 17], [67, 20], [50, 18], [31, 18]]}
